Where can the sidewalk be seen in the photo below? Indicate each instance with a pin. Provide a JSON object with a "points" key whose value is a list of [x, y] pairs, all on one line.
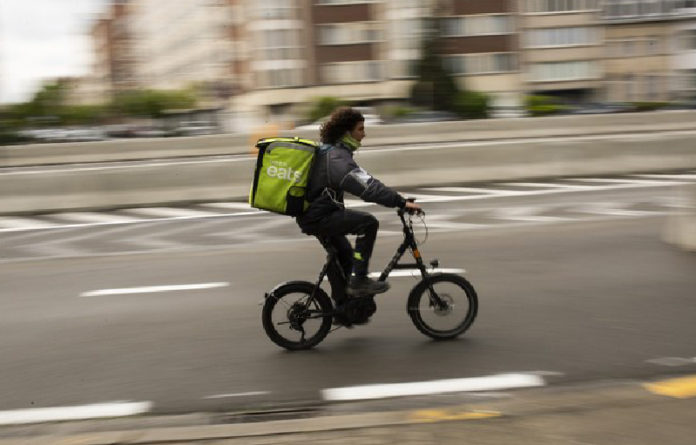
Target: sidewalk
{"points": [[616, 413]]}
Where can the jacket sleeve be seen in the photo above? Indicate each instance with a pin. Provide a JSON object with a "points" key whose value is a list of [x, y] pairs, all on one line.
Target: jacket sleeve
{"points": [[347, 175]]}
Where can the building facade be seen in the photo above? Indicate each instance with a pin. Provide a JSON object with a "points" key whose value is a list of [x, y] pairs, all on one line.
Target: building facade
{"points": [[260, 59], [561, 48], [639, 44], [683, 59]]}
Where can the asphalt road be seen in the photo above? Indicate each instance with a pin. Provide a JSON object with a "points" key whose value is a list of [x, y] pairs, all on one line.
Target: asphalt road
{"points": [[574, 283]]}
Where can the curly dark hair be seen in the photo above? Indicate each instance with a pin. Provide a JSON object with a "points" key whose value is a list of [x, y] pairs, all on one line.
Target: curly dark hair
{"points": [[342, 120]]}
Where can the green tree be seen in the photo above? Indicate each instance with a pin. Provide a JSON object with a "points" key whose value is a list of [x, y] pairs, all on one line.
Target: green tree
{"points": [[152, 103], [323, 106], [434, 87]]}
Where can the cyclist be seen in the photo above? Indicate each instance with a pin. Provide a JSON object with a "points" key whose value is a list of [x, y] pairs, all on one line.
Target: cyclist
{"points": [[334, 172]]}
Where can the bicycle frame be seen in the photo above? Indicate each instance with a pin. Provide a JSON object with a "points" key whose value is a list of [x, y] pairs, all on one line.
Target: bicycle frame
{"points": [[408, 242]]}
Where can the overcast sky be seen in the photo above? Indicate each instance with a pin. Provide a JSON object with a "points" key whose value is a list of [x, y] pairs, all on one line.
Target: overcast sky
{"points": [[42, 39]]}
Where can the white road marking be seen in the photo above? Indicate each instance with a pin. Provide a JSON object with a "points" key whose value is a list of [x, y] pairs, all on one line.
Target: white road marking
{"points": [[63, 413], [163, 214], [666, 176], [627, 181], [485, 383], [94, 217], [170, 212], [12, 224], [151, 289], [229, 205], [484, 191], [612, 209], [239, 394], [414, 272], [547, 185], [525, 213]]}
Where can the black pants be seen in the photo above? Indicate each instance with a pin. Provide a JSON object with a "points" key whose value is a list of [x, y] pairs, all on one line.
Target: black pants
{"points": [[333, 230]]}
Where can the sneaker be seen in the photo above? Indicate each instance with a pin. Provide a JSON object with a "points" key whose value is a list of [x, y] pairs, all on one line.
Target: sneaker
{"points": [[365, 285]]}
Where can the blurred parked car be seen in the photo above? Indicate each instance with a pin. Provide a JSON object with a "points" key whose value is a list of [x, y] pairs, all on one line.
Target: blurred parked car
{"points": [[195, 128], [426, 116], [601, 108]]}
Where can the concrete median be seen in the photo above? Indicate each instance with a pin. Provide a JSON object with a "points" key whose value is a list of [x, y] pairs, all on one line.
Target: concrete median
{"points": [[181, 181]]}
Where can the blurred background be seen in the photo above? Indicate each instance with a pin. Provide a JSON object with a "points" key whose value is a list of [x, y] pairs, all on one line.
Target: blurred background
{"points": [[551, 143], [167, 68]]}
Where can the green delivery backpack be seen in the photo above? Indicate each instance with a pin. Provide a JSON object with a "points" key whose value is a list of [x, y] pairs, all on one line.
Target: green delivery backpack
{"points": [[282, 172]]}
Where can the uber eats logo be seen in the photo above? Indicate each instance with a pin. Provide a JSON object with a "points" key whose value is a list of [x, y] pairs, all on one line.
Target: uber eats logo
{"points": [[283, 171]]}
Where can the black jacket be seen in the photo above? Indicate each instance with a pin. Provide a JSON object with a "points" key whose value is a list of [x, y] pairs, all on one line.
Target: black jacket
{"points": [[335, 171]]}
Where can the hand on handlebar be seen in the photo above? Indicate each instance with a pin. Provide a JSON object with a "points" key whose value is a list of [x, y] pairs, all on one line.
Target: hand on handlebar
{"points": [[413, 208]]}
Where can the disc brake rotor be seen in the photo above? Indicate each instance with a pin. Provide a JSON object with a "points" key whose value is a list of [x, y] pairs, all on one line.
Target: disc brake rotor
{"points": [[445, 308]]}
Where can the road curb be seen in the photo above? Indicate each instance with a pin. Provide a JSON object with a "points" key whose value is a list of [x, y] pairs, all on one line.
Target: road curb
{"points": [[570, 399]]}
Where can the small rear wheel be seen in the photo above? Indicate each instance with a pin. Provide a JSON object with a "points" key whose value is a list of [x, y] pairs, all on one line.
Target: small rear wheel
{"points": [[293, 319], [449, 311]]}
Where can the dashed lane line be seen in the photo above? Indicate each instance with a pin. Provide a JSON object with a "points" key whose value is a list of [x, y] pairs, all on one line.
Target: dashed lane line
{"points": [[485, 383], [237, 394], [65, 413], [152, 289]]}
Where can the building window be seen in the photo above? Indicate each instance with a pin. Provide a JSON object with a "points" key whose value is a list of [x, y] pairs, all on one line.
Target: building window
{"points": [[474, 25], [688, 40], [277, 78], [481, 63], [341, 2], [349, 33], [275, 9], [539, 38], [550, 6], [351, 72], [562, 71]]}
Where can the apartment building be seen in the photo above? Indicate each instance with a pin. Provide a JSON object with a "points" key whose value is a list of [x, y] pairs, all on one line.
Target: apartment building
{"points": [[114, 62], [639, 41], [561, 44], [366, 51], [480, 47], [683, 59], [183, 44]]}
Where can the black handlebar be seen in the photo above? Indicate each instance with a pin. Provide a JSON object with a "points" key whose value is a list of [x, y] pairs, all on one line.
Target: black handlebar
{"points": [[404, 210]]}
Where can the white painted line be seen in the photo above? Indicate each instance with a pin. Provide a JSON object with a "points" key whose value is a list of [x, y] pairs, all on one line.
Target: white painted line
{"points": [[414, 272], [169, 212], [228, 205], [665, 176], [94, 217], [239, 394], [10, 224], [626, 181], [484, 191], [547, 185], [526, 213], [151, 289], [63, 413], [486, 383]]}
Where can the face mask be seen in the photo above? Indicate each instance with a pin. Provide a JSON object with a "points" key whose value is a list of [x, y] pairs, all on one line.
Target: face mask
{"points": [[351, 142]]}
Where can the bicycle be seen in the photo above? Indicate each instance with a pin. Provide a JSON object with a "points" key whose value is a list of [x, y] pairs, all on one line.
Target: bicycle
{"points": [[313, 306]]}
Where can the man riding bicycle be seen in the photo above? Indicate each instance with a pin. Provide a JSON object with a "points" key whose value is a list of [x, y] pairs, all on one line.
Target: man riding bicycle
{"points": [[335, 171]]}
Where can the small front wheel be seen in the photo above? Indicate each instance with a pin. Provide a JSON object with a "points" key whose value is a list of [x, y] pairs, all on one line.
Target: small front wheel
{"points": [[295, 320], [447, 311]]}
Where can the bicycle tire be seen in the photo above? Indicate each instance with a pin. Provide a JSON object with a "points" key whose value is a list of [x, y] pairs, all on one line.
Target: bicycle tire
{"points": [[421, 289], [322, 301]]}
